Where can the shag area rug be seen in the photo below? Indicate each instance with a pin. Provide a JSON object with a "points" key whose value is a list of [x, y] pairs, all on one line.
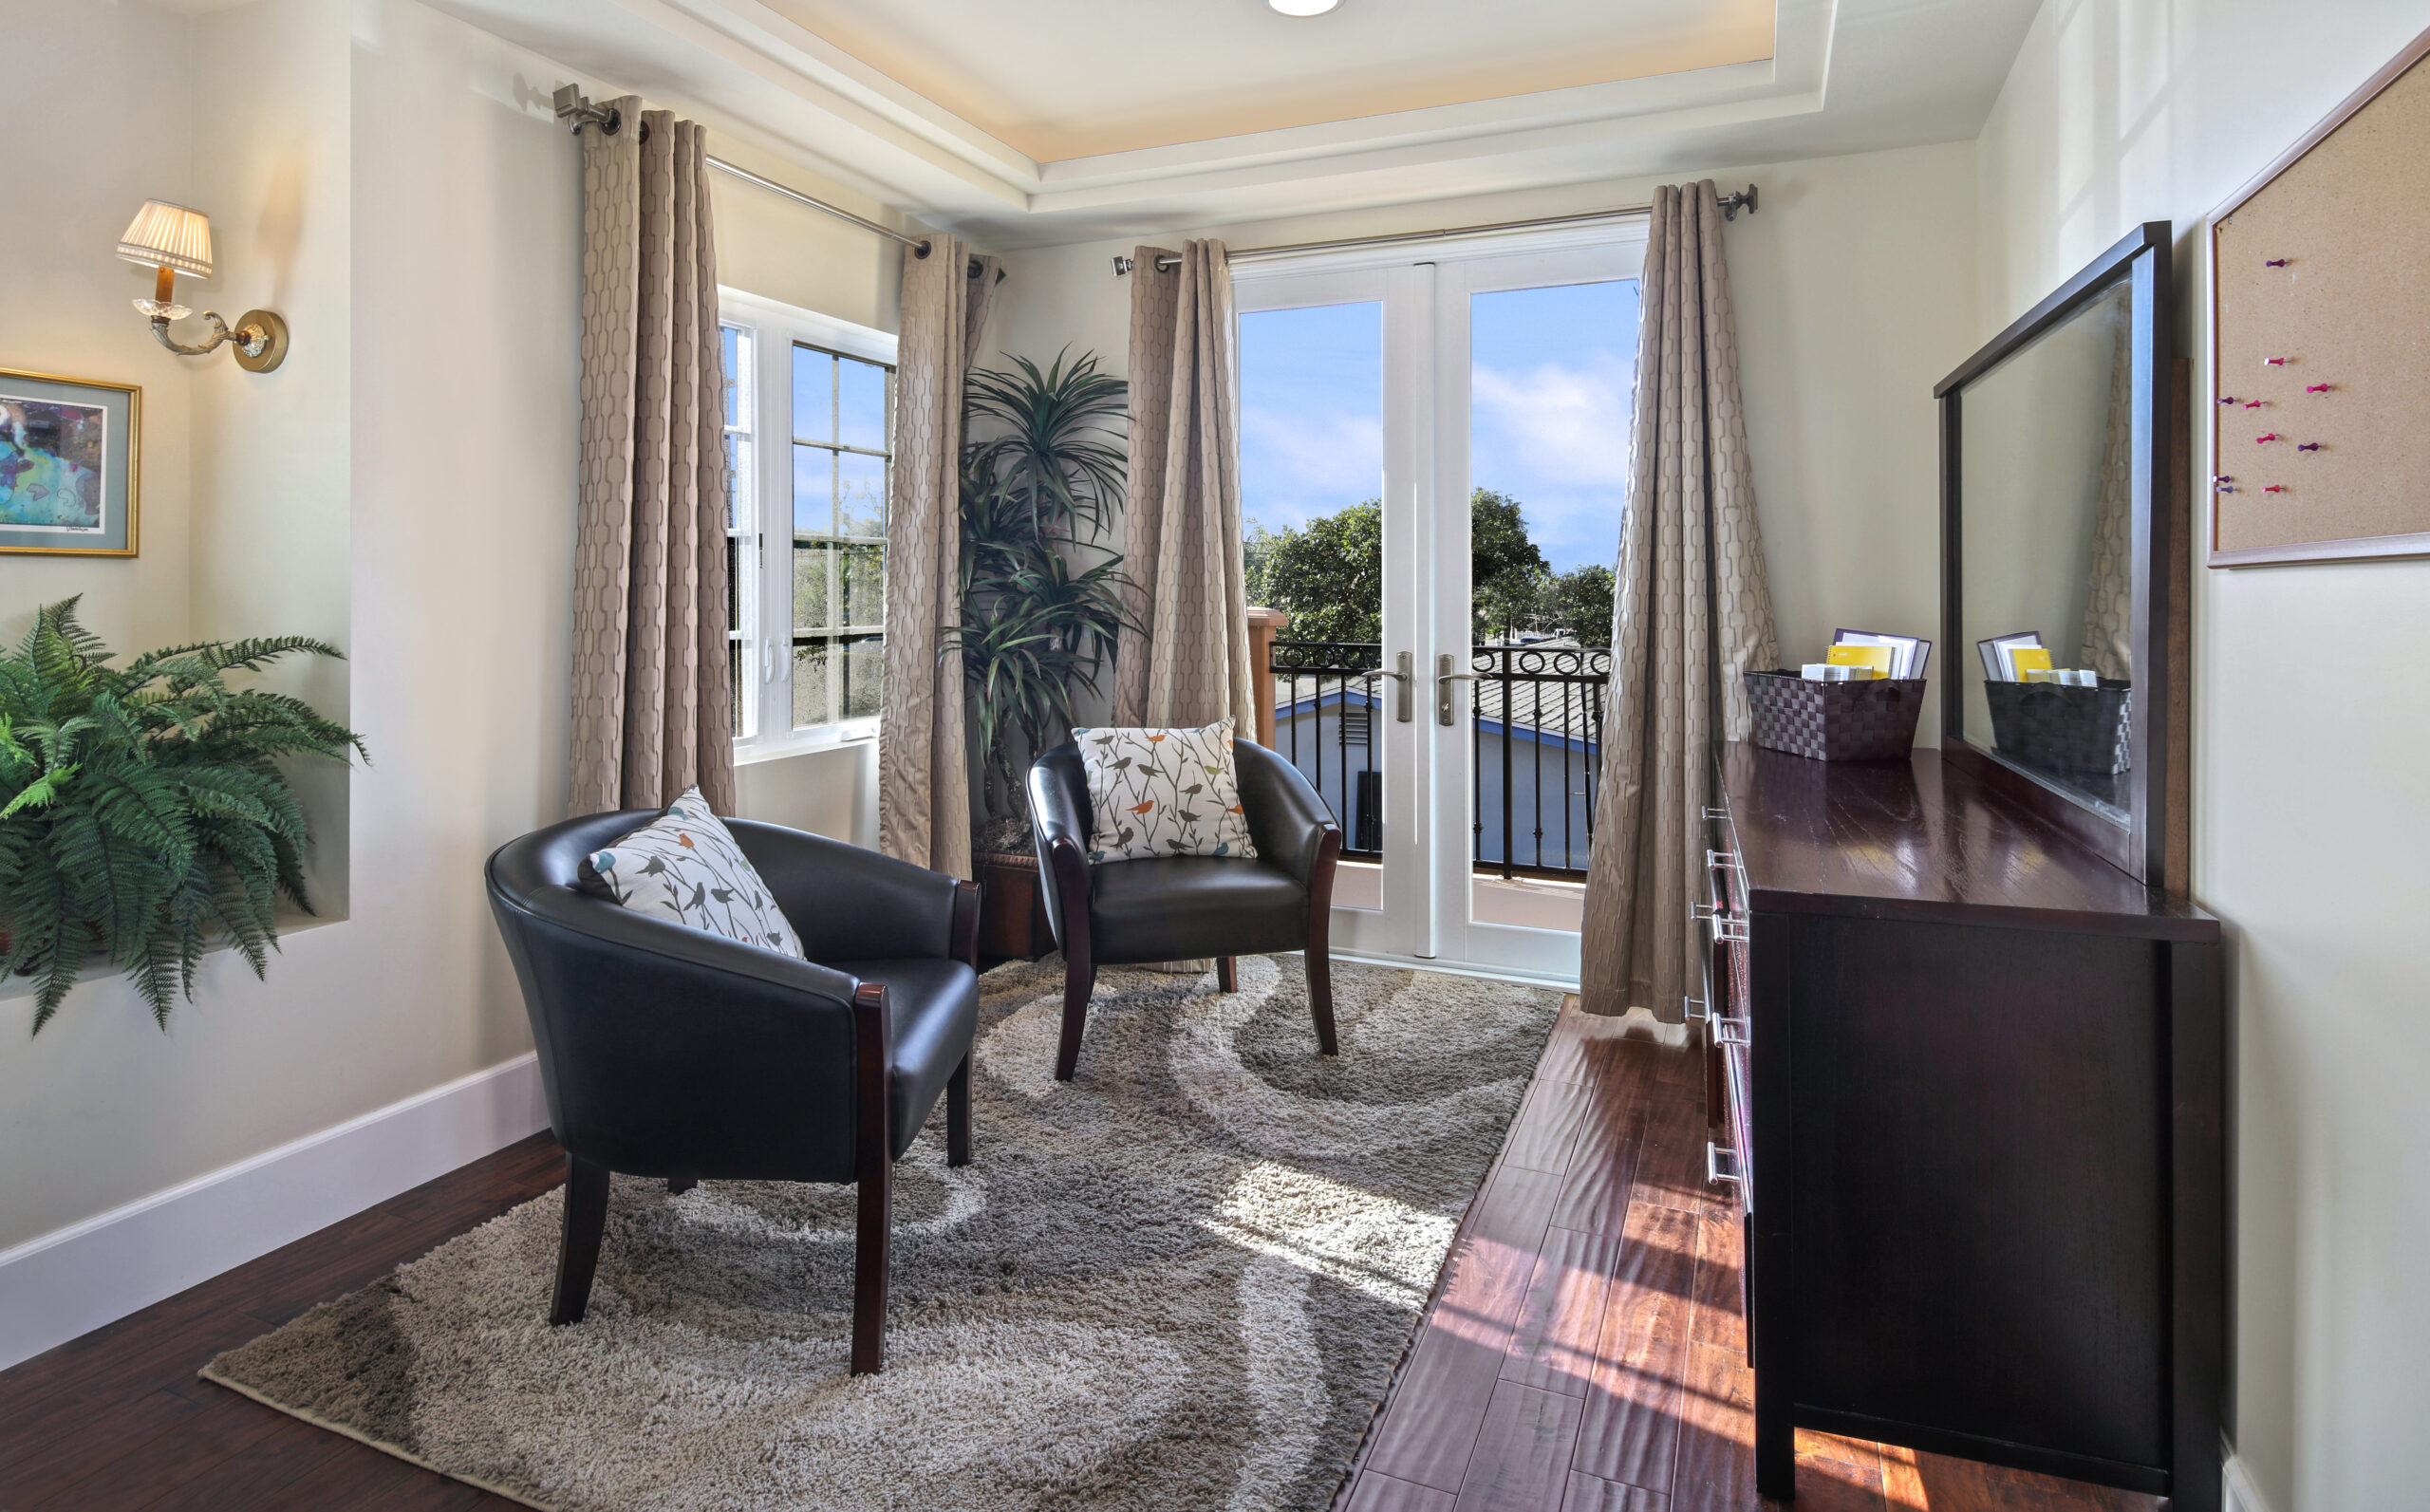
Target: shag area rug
{"points": [[1182, 1281]]}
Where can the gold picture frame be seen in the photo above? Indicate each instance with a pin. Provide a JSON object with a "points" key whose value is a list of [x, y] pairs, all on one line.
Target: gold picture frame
{"points": [[71, 456]]}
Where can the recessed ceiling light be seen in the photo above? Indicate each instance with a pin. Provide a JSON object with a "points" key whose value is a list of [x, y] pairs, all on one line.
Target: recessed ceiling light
{"points": [[1303, 8]]}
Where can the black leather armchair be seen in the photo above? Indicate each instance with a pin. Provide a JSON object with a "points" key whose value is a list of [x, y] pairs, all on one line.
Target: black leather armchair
{"points": [[671, 1052], [1182, 907]]}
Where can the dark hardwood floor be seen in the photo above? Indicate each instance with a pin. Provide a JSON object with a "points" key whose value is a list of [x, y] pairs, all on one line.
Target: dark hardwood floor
{"points": [[1584, 1353]]}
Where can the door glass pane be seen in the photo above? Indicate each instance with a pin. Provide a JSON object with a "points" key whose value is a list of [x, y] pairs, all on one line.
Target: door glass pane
{"points": [[860, 403], [813, 702], [864, 664], [813, 394], [813, 568], [1312, 476], [860, 494], [815, 490], [1550, 375], [860, 585]]}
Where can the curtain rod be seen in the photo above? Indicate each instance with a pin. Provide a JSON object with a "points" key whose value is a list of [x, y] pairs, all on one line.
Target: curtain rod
{"points": [[1730, 205], [572, 107]]}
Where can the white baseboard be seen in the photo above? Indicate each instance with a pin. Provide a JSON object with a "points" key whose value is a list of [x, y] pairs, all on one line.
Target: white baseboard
{"points": [[2237, 1492], [77, 1278]]}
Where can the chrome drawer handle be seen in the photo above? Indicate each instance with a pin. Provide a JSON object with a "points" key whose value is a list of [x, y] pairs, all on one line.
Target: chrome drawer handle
{"points": [[1727, 1031], [1697, 1009], [1715, 860], [1716, 814], [1714, 1175]]}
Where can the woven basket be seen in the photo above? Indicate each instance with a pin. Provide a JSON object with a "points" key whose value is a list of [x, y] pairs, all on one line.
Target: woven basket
{"points": [[1870, 721], [2060, 728]]}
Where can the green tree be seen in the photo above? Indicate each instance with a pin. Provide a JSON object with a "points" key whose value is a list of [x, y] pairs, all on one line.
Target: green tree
{"points": [[1579, 603], [1329, 574], [1507, 571]]}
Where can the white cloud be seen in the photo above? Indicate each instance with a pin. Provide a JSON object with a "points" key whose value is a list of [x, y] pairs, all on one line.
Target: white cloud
{"points": [[1302, 455], [1566, 425]]}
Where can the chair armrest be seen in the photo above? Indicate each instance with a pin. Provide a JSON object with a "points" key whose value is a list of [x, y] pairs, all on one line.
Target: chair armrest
{"points": [[1287, 821], [848, 903], [1059, 822]]}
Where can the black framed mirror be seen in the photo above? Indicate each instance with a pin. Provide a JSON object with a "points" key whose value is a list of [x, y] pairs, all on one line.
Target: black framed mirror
{"points": [[2061, 611]]}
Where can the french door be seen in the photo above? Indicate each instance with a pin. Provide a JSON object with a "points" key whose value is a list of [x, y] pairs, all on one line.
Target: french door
{"points": [[1459, 758]]}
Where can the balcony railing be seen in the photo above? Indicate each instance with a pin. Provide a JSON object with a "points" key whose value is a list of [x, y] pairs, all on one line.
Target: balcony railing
{"points": [[1536, 728]]}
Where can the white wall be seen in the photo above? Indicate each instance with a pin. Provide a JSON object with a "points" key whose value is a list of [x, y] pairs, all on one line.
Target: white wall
{"points": [[393, 182], [1853, 283], [2310, 815], [63, 292]]}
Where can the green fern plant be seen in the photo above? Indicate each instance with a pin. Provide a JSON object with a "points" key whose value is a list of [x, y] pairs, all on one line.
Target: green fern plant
{"points": [[144, 818]]}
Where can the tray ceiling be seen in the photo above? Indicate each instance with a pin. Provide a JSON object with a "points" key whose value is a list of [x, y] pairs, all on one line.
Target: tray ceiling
{"points": [[1059, 79]]}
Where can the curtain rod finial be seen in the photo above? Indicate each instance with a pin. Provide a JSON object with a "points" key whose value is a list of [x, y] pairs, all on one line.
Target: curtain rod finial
{"points": [[1121, 266], [1730, 203]]}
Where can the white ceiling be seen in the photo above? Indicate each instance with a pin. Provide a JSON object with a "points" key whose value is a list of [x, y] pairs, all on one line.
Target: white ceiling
{"points": [[1081, 78], [1038, 122]]}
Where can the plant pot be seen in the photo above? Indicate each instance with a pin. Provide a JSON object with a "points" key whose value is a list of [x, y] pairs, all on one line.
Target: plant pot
{"points": [[1012, 907]]}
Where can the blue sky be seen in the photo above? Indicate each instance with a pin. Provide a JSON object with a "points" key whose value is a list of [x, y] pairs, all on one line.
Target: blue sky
{"points": [[1549, 424]]}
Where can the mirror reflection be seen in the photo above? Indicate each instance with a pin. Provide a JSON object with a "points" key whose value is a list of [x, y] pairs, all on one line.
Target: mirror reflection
{"points": [[2046, 545]]}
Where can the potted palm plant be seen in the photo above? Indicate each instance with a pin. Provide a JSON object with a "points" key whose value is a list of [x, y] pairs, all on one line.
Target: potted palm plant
{"points": [[1038, 491], [144, 818]]}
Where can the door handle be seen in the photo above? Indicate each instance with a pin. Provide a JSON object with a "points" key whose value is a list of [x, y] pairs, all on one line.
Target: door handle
{"points": [[1444, 677], [1404, 677]]}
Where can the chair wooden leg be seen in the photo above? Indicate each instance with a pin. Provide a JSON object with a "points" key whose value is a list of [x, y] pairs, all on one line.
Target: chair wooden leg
{"points": [[1227, 973], [1079, 980], [678, 1185], [1321, 939], [870, 1270], [578, 1250], [958, 1115], [873, 1168]]}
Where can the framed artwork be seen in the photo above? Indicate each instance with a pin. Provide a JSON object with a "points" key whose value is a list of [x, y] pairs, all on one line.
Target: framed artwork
{"points": [[69, 450]]}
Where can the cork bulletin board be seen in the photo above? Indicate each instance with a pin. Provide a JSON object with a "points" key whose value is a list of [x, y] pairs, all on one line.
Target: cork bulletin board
{"points": [[2320, 338]]}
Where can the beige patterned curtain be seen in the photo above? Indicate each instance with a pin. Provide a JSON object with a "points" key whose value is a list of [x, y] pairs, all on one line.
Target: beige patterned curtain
{"points": [[653, 696], [1692, 612], [1182, 530], [2108, 644], [923, 761]]}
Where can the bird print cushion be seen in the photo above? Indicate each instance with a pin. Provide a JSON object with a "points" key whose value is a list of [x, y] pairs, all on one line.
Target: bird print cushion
{"points": [[684, 867], [1162, 792]]}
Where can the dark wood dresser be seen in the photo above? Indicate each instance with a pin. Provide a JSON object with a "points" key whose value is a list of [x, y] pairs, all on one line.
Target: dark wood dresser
{"points": [[1969, 1080]]}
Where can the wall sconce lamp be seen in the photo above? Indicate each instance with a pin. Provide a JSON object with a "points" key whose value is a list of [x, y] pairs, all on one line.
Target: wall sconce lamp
{"points": [[178, 240]]}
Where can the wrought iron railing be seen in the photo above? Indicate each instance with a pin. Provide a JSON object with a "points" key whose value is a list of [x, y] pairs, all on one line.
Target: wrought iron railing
{"points": [[1325, 701], [1537, 729]]}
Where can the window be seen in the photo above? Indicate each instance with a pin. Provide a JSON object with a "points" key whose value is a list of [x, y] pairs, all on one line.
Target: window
{"points": [[809, 430], [842, 409]]}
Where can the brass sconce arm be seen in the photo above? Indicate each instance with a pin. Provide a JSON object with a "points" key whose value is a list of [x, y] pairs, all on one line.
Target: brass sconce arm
{"points": [[260, 339]]}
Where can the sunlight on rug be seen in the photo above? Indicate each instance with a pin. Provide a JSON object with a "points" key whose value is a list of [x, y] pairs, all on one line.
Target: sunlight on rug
{"points": [[1182, 1281]]}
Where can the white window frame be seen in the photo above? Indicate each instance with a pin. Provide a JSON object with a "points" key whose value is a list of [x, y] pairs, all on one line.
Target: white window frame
{"points": [[775, 329]]}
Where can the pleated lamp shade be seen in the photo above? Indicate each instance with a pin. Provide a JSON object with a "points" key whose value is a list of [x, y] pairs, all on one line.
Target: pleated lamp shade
{"points": [[166, 235]]}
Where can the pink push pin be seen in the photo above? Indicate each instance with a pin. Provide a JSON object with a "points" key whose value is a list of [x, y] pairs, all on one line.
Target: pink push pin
{"points": [[2274, 362], [2316, 388], [2273, 488], [2254, 403], [2266, 438], [2308, 446]]}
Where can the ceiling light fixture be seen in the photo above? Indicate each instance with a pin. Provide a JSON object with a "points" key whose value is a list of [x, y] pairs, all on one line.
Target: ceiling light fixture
{"points": [[1303, 8]]}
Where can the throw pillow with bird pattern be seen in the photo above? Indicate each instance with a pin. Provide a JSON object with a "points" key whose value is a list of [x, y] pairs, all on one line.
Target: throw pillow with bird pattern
{"points": [[1162, 792], [685, 867]]}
